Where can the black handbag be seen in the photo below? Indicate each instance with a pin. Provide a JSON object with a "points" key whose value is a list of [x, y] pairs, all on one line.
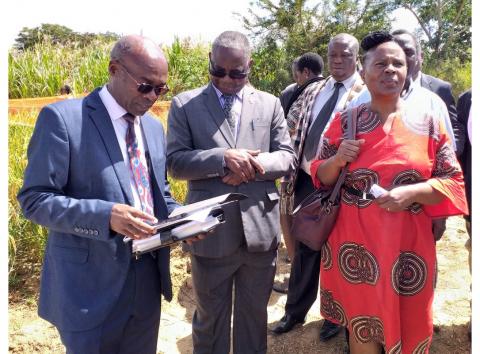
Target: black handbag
{"points": [[313, 219]]}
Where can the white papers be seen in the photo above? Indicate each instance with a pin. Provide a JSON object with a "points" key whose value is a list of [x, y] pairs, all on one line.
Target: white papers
{"points": [[377, 191]]}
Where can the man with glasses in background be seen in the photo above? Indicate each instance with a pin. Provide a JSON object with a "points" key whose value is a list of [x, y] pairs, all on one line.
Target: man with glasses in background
{"points": [[229, 137], [96, 173]]}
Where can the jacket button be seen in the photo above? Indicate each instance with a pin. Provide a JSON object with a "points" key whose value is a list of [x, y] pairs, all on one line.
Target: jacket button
{"points": [[76, 229], [95, 232]]}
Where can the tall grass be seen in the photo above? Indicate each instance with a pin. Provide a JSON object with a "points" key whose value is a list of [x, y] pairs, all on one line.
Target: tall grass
{"points": [[26, 240], [42, 70]]}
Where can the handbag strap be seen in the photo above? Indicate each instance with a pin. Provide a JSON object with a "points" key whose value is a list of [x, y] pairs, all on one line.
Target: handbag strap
{"points": [[351, 133]]}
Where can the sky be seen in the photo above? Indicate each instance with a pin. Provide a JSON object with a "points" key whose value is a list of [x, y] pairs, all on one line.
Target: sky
{"points": [[159, 20]]}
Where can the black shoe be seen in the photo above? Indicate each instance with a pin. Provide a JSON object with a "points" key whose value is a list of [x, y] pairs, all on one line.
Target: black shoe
{"points": [[329, 330], [286, 323], [280, 288]]}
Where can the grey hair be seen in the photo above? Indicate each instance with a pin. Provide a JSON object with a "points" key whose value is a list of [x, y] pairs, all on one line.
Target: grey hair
{"points": [[232, 39], [346, 37]]}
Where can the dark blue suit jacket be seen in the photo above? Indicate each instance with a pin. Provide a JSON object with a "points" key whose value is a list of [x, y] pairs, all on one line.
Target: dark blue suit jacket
{"points": [[75, 174]]}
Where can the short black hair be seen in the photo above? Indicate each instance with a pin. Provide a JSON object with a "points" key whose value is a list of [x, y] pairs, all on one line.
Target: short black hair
{"points": [[312, 61], [401, 31], [373, 40]]}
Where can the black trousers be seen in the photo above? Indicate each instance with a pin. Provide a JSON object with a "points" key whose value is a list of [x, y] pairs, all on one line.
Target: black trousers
{"points": [[305, 269]]}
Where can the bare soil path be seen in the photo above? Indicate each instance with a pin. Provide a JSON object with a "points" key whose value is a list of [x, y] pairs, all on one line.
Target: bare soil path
{"points": [[30, 334]]}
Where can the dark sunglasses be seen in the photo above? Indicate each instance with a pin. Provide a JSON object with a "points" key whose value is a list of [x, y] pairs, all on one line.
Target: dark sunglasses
{"points": [[145, 88], [220, 72]]}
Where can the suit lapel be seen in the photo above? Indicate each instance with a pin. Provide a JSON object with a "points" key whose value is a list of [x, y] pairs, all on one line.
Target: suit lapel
{"points": [[425, 81], [101, 119], [213, 105], [155, 151], [247, 116]]}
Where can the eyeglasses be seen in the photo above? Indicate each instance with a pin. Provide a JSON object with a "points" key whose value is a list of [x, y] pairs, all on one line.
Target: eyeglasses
{"points": [[234, 74], [145, 88]]}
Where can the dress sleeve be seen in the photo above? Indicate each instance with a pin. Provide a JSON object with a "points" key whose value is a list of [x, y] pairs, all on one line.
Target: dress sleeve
{"points": [[447, 178], [330, 142]]}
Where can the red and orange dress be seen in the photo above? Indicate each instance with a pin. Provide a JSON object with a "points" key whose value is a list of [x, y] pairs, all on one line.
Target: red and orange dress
{"points": [[378, 268]]}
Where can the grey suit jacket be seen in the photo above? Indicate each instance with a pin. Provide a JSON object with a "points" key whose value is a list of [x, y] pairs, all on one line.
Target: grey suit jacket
{"points": [[198, 136], [75, 174]]}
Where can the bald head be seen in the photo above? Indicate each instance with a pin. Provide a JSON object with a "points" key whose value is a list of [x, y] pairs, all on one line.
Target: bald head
{"points": [[138, 73], [350, 40], [133, 46], [342, 56]]}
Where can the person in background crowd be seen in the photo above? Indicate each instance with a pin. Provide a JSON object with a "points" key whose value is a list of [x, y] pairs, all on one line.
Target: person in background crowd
{"points": [[229, 137], [287, 93], [307, 118], [307, 70], [378, 271]]}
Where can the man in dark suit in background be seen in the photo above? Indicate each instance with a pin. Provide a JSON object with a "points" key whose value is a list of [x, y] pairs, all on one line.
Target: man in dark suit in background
{"points": [[318, 103], [306, 69], [465, 158], [229, 137], [95, 174]]}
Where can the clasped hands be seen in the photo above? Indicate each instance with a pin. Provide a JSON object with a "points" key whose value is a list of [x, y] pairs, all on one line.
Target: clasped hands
{"points": [[131, 222], [242, 166]]}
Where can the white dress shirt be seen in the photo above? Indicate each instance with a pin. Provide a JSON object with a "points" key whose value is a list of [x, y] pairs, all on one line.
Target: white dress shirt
{"points": [[325, 93], [116, 113], [236, 108], [418, 100]]}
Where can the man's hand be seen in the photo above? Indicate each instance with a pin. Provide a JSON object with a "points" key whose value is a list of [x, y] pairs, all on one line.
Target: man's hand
{"points": [[232, 179], [199, 237], [128, 221], [242, 162]]}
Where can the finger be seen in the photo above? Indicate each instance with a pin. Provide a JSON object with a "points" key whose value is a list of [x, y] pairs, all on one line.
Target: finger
{"points": [[142, 227], [257, 165], [248, 173], [253, 152], [142, 215]]}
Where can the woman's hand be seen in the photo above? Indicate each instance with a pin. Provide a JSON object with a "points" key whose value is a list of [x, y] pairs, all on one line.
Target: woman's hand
{"points": [[347, 151], [397, 199]]}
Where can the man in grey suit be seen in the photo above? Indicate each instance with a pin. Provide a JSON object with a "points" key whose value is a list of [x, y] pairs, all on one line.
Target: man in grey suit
{"points": [[96, 173], [229, 137]]}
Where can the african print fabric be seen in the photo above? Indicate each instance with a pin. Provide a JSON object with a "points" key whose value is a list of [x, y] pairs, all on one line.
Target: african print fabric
{"points": [[378, 267]]}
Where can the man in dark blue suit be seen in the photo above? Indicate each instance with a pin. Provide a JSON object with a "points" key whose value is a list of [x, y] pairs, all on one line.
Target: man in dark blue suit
{"points": [[96, 173]]}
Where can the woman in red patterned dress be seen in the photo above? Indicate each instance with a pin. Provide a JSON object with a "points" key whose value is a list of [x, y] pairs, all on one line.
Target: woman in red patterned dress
{"points": [[378, 266]]}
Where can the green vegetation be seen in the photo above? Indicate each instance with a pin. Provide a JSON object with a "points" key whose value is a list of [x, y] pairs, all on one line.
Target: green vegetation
{"points": [[26, 240]]}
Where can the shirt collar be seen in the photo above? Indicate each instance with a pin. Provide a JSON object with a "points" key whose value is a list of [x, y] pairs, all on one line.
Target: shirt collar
{"points": [[347, 83], [115, 111], [238, 95]]}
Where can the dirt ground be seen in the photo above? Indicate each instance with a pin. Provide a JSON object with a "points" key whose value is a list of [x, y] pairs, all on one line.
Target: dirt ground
{"points": [[30, 334]]}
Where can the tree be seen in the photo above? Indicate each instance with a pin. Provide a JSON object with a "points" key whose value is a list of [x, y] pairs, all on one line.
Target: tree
{"points": [[446, 25], [285, 29], [58, 34]]}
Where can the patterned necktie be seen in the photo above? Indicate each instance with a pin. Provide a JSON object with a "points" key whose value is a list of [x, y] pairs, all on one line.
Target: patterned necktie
{"points": [[227, 110], [314, 134], [139, 170]]}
